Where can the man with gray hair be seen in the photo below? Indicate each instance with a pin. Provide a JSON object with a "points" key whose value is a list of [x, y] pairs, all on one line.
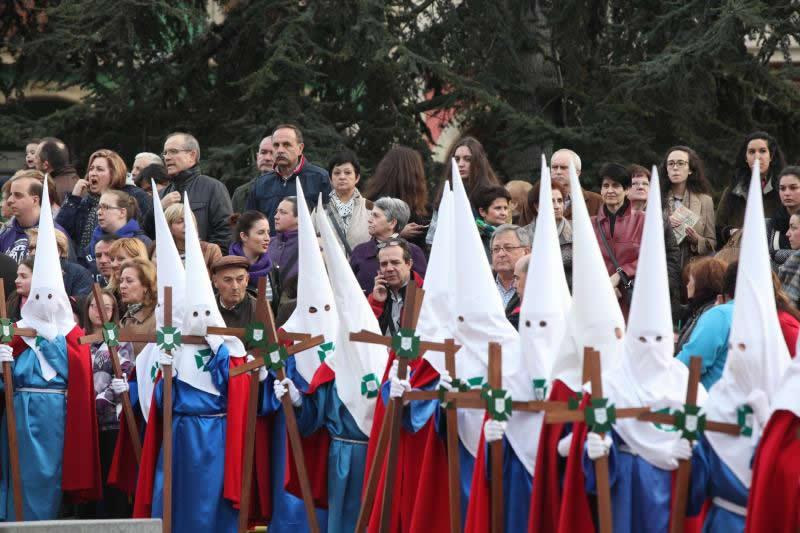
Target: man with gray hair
{"points": [[559, 171], [208, 197], [142, 160], [509, 243], [386, 220]]}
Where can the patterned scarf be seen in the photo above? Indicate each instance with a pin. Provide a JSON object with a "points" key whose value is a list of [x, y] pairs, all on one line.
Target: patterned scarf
{"points": [[91, 220], [345, 209], [132, 310]]}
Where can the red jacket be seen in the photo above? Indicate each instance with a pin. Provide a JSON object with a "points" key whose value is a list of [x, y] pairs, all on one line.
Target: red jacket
{"points": [[625, 242]]}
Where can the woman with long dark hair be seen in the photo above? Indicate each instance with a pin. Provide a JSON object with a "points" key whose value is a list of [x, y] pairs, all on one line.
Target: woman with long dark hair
{"points": [[400, 174], [688, 189], [759, 146], [475, 171], [780, 248]]}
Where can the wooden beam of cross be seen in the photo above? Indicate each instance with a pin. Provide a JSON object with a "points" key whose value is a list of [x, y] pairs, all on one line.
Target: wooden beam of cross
{"points": [[110, 335], [407, 347], [261, 337], [498, 405], [689, 421], [8, 332]]}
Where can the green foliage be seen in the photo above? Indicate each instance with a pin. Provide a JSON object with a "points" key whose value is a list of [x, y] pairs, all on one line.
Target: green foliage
{"points": [[615, 80]]}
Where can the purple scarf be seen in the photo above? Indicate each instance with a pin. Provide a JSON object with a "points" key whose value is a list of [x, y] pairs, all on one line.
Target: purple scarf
{"points": [[259, 269]]}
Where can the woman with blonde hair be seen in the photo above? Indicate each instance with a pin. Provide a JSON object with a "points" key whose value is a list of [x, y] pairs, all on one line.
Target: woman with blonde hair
{"points": [[106, 170], [138, 291], [519, 190], [174, 216], [120, 251]]}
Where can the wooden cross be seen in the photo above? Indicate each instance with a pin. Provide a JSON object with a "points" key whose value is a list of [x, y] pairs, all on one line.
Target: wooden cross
{"points": [[591, 360], [110, 335], [275, 356], [390, 430], [169, 338], [7, 333], [691, 433]]}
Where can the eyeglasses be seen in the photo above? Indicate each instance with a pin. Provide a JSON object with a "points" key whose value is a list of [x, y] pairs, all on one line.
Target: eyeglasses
{"points": [[507, 248], [173, 151], [106, 207], [678, 164]]}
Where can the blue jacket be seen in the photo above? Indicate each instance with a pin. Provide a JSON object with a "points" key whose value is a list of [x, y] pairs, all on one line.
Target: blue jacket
{"points": [[77, 280], [14, 240], [709, 340], [268, 190], [130, 229], [75, 210]]}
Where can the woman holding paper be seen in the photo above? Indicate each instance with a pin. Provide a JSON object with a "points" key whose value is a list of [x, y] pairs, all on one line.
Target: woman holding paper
{"points": [[687, 203]]}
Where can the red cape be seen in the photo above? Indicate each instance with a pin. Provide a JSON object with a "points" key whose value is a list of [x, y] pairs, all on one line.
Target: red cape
{"points": [[81, 478], [479, 511], [315, 452], [124, 469], [774, 501], [238, 389], [419, 495], [546, 495]]}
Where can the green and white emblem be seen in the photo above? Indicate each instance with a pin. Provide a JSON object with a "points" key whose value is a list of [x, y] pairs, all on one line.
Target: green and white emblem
{"points": [[600, 415], [690, 422], [201, 358], [370, 386], [6, 330], [498, 403], [255, 335], [406, 344], [539, 389], [325, 350], [275, 356], [111, 334], [744, 417], [168, 338]]}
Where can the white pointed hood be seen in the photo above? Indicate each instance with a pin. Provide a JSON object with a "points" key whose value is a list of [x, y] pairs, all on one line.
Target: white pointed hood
{"points": [[47, 302], [199, 312], [169, 273], [757, 353], [358, 366], [314, 313], [542, 325], [476, 315], [436, 310], [648, 374], [595, 319]]}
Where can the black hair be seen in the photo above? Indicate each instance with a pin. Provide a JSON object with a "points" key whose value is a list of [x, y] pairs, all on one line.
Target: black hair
{"points": [[55, 152], [154, 171], [243, 223], [742, 170], [344, 157], [485, 196], [615, 172]]}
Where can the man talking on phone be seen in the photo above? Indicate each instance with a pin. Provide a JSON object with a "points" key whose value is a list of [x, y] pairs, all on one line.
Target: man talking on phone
{"points": [[394, 273]]}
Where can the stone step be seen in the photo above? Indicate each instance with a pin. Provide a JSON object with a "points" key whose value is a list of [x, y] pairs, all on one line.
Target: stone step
{"points": [[84, 526]]}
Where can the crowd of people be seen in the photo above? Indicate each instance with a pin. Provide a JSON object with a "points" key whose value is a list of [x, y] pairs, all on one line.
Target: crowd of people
{"points": [[112, 227]]}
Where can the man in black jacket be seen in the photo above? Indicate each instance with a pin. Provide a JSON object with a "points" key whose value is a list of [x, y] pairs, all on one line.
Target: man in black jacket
{"points": [[208, 197]]}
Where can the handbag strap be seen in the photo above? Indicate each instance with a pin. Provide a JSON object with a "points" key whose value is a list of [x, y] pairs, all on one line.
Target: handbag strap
{"points": [[626, 281], [339, 230]]}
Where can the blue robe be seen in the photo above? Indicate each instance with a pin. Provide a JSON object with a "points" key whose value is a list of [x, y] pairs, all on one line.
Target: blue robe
{"points": [[288, 511], [712, 478], [415, 415], [347, 460], [198, 465], [517, 488], [641, 494], [41, 419]]}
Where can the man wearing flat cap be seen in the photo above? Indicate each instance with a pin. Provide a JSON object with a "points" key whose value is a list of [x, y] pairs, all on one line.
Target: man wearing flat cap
{"points": [[230, 276]]}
